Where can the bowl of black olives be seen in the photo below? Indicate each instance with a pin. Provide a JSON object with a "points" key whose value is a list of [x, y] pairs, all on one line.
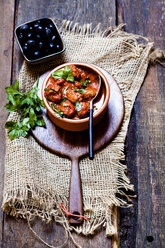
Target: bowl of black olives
{"points": [[39, 40]]}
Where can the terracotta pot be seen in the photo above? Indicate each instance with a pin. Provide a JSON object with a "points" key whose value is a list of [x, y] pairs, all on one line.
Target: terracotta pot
{"points": [[81, 124]]}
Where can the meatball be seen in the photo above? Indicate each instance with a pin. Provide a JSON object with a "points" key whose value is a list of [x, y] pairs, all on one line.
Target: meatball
{"points": [[84, 109], [72, 95], [53, 80], [52, 92], [67, 108], [78, 84], [60, 81], [89, 93], [75, 71]]}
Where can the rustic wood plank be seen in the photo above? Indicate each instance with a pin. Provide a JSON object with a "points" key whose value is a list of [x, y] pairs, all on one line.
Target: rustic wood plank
{"points": [[145, 139], [6, 43], [17, 233]]}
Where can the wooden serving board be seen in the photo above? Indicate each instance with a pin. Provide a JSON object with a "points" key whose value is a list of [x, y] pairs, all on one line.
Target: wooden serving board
{"points": [[76, 144]]}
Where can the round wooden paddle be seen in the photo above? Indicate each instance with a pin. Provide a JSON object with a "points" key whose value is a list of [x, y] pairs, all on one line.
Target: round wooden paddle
{"points": [[76, 144]]}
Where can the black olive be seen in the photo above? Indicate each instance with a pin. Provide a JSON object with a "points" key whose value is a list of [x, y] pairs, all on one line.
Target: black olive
{"points": [[20, 36], [58, 46], [30, 35], [38, 36], [24, 27], [51, 45], [40, 44], [31, 42], [25, 48], [31, 28], [39, 29], [53, 38], [46, 52], [51, 25], [36, 25], [37, 53], [47, 32]]}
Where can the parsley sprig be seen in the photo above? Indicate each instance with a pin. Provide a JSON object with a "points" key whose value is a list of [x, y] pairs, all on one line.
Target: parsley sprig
{"points": [[28, 105]]}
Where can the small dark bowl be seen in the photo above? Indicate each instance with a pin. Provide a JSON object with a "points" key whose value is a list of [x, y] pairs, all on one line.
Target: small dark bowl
{"points": [[39, 40]]}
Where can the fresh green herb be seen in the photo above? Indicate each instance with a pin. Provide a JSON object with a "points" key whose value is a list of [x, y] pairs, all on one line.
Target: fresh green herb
{"points": [[28, 105], [65, 90], [17, 129], [78, 106], [63, 100], [65, 104], [51, 89], [47, 89], [65, 73], [58, 112], [84, 84], [88, 81], [81, 91]]}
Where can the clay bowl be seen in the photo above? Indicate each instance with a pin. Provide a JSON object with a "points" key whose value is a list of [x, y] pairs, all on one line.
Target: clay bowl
{"points": [[101, 102]]}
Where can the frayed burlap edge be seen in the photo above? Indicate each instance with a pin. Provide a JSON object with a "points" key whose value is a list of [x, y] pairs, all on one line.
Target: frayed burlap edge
{"points": [[33, 202]]}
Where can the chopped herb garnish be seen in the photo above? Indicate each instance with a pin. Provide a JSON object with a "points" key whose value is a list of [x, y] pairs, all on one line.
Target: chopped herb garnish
{"points": [[28, 105], [58, 112], [80, 90], [88, 81], [84, 84], [78, 106], [50, 90], [65, 90], [65, 104], [63, 100], [65, 73]]}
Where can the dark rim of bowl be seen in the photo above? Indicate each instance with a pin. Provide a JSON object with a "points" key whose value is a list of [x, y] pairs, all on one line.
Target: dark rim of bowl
{"points": [[45, 57], [83, 119]]}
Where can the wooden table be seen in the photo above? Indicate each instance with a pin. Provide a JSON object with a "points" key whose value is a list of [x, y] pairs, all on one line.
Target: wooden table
{"points": [[143, 225]]}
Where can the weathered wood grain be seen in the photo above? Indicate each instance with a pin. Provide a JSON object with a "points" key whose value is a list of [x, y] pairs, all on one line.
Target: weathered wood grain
{"points": [[145, 145], [6, 44], [17, 233], [146, 135]]}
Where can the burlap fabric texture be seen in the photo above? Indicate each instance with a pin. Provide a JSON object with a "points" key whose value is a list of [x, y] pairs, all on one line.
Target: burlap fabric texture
{"points": [[37, 181]]}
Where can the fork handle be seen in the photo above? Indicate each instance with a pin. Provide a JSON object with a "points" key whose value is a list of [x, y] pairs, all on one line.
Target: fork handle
{"points": [[91, 156]]}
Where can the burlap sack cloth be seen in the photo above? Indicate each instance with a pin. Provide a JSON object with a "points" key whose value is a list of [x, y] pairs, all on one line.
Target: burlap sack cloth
{"points": [[37, 181]]}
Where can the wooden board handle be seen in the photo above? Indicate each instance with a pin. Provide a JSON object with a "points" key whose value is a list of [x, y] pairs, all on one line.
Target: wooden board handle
{"points": [[75, 193]]}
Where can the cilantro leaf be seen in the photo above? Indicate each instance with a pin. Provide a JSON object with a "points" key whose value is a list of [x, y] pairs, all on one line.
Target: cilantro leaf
{"points": [[81, 91], [84, 84], [65, 73], [65, 104], [88, 81], [78, 106], [65, 90]]}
